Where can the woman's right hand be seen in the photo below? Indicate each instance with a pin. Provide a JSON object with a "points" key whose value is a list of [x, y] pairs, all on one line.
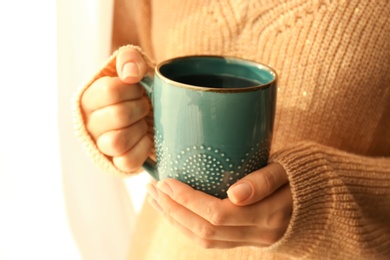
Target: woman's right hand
{"points": [[115, 108]]}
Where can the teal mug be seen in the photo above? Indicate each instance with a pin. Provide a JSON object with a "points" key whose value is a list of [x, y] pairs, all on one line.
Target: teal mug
{"points": [[213, 120]]}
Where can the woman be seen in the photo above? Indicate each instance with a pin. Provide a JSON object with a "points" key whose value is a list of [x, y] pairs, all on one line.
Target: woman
{"points": [[326, 191]]}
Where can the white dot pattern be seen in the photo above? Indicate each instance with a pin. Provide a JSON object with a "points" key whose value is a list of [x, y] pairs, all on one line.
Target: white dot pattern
{"points": [[207, 168]]}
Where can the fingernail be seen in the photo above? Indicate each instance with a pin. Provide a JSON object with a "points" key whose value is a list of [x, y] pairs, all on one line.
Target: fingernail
{"points": [[164, 187], [240, 192], [130, 69]]}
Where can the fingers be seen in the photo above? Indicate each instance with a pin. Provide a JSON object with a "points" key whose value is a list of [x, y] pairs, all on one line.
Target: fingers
{"points": [[117, 116], [114, 109], [197, 228], [205, 242], [130, 65], [117, 142], [215, 211], [209, 207], [258, 185], [135, 157], [215, 223], [108, 91], [218, 212]]}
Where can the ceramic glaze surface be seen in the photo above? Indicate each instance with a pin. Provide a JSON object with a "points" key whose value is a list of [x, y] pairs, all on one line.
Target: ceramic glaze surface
{"points": [[208, 168], [210, 138]]}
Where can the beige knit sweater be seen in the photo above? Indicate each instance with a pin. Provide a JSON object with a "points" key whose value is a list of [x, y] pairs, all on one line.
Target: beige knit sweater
{"points": [[332, 128]]}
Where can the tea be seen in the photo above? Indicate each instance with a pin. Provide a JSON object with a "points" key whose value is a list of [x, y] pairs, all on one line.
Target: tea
{"points": [[216, 81]]}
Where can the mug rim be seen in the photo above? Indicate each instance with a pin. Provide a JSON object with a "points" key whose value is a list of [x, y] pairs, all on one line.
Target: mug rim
{"points": [[212, 89]]}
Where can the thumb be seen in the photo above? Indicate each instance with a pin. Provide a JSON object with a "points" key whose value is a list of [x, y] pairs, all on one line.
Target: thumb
{"points": [[258, 185], [130, 65]]}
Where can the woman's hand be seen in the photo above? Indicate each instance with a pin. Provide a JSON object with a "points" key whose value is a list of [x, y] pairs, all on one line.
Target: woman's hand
{"points": [[256, 213], [114, 109]]}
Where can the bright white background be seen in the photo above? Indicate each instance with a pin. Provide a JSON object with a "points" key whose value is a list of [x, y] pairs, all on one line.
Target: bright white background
{"points": [[54, 204], [33, 223]]}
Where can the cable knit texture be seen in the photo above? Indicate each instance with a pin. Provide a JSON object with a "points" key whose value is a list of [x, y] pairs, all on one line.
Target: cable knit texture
{"points": [[332, 121]]}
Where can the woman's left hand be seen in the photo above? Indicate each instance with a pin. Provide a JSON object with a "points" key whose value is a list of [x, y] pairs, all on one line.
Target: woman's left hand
{"points": [[256, 213]]}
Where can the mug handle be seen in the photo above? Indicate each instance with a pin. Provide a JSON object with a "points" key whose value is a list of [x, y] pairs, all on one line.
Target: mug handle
{"points": [[149, 165]]}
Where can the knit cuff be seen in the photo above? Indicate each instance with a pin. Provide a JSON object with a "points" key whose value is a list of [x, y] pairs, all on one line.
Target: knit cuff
{"points": [[340, 203], [108, 69], [310, 181]]}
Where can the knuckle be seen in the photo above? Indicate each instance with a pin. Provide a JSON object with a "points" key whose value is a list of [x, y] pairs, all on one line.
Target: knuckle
{"points": [[217, 218], [110, 89], [112, 144], [206, 244], [106, 119], [137, 109], [135, 157], [276, 220], [134, 163], [206, 232], [96, 87], [118, 143], [114, 90], [182, 199], [127, 163], [180, 195], [269, 181], [119, 114], [93, 124]]}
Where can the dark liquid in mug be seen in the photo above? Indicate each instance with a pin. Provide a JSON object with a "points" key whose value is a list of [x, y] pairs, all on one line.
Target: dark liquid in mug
{"points": [[215, 81]]}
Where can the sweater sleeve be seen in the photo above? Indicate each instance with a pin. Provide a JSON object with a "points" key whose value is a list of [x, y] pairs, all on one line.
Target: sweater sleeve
{"points": [[108, 69], [341, 204]]}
